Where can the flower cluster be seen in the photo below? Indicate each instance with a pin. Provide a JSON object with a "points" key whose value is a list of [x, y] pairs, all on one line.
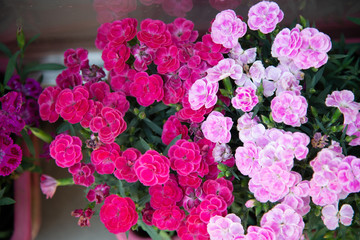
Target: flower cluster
{"points": [[183, 132]]}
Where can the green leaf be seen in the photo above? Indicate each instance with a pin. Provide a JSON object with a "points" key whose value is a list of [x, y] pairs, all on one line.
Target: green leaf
{"points": [[354, 20], [337, 56], [41, 134], [153, 126], [43, 67], [157, 108], [316, 78], [142, 145], [5, 50], [172, 143], [65, 126], [150, 230], [127, 234], [2, 191], [28, 142], [6, 201], [121, 189], [10, 67], [31, 40]]}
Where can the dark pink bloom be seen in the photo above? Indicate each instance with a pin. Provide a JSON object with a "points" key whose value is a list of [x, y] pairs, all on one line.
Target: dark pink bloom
{"points": [[77, 59], [190, 180], [104, 158], [101, 37], [220, 187], [211, 206], [172, 128], [166, 59], [48, 185], [94, 110], [147, 214], [173, 89], [168, 218], [191, 198], [84, 216], [72, 105], [122, 31], [10, 155], [99, 193], [12, 102], [118, 214], [68, 79], [122, 81], [193, 228], [93, 73], [125, 165], [98, 90], [154, 33], [209, 51], [181, 31], [66, 150], [46, 101], [108, 124], [165, 195], [152, 168], [83, 174], [147, 88], [32, 88], [143, 55], [115, 57], [177, 8], [117, 100]]}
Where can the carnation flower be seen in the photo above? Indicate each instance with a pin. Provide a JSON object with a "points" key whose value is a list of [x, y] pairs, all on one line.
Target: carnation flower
{"points": [[83, 174], [344, 101], [66, 150], [76, 59], [331, 216], [154, 33], [48, 185], [125, 165], [216, 128], [228, 227], [99, 193], [245, 99], [147, 88], [264, 16], [203, 93], [10, 155]]}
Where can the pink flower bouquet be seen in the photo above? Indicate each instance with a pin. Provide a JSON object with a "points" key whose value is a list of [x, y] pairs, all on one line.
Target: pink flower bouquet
{"points": [[243, 133]]}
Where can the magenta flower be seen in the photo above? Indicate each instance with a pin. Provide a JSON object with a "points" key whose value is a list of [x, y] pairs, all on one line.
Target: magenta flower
{"points": [[66, 150], [289, 109], [219, 187], [245, 99], [191, 180], [76, 59], [94, 110], [228, 227], [172, 128], [98, 90], [331, 216], [203, 93], [10, 155], [154, 33], [101, 38], [48, 185], [227, 28], [147, 88], [115, 57], [46, 101], [84, 216], [166, 59], [117, 100], [225, 68], [104, 158], [344, 101], [264, 16], [165, 195], [122, 81], [143, 55], [168, 218], [122, 31], [93, 73], [68, 79], [125, 165], [83, 174], [182, 32], [98, 194], [349, 174], [211, 206]]}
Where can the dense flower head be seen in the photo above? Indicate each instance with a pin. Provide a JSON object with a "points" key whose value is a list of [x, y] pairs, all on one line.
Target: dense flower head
{"points": [[227, 28], [173, 128], [94, 110], [220, 187], [344, 101], [84, 216], [143, 55], [249, 128], [98, 90], [247, 158], [349, 174], [11, 102], [221, 153], [191, 198], [264, 16], [122, 31], [228, 227], [76, 59], [104, 158], [287, 43], [203, 93], [154, 33], [147, 88], [122, 81], [68, 79], [165, 195], [152, 168], [181, 31], [118, 214], [115, 57], [117, 100], [331, 216], [10, 155], [48, 185], [209, 51], [242, 56], [245, 99], [211, 206], [289, 109], [166, 59], [83, 174], [66, 150], [168, 218], [99, 193], [225, 68], [30, 88], [125, 165], [216, 128]]}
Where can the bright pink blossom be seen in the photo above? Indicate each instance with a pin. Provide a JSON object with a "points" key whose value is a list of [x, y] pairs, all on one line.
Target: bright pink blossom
{"points": [[203, 93], [84, 216], [118, 214], [289, 109], [101, 38], [48, 185], [245, 99], [143, 55], [220, 187], [83, 174], [77, 59], [331, 216], [166, 59], [10, 155], [173, 89], [122, 81], [228, 227], [172, 128], [284, 221], [181, 31], [209, 51], [68, 79], [147, 88], [46, 101], [349, 174], [165, 195], [99, 193], [108, 124], [122, 31], [168, 218], [217, 128], [211, 206], [104, 158], [344, 101], [115, 57], [125, 165], [191, 198], [227, 28], [94, 110], [98, 90], [66, 150], [191, 180], [152, 168], [117, 100], [154, 33], [72, 105], [264, 16]]}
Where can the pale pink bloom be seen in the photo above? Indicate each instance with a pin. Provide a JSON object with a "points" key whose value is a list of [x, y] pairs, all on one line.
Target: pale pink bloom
{"points": [[287, 43], [227, 28], [228, 227], [275, 153], [247, 159], [245, 99], [289, 109], [264, 16], [250, 203], [257, 72], [241, 56], [284, 221], [331, 216], [287, 82], [225, 68], [295, 143], [344, 101], [221, 152], [203, 93], [216, 127], [349, 174], [48, 185], [259, 233], [249, 128], [354, 129]]}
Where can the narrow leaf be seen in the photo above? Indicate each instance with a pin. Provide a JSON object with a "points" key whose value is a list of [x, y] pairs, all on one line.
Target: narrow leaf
{"points": [[7, 201], [31, 41], [150, 230], [153, 126], [28, 142], [63, 128], [10, 67], [316, 78], [354, 20], [2, 192], [142, 145], [5, 50], [172, 143], [157, 108], [41, 134], [43, 67], [121, 189]]}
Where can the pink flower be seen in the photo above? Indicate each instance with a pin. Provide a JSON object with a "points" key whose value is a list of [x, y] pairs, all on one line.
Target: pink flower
{"points": [[83, 174], [284, 221], [165, 195], [122, 31], [331, 216], [117, 100], [125, 165], [264, 16], [289, 109], [118, 214], [349, 174], [143, 55], [260, 233], [66, 150], [211, 206], [287, 43], [217, 128], [249, 128], [99, 193], [94, 110], [298, 197], [228, 227], [166, 59], [104, 158], [77, 59], [344, 101], [48, 185], [191, 198], [152, 168], [46, 101], [108, 124], [203, 93], [225, 68], [222, 152], [101, 38], [122, 81], [147, 88], [191, 180], [354, 129], [247, 158], [173, 89], [245, 99], [172, 128], [72, 105], [154, 33], [147, 214], [209, 51], [181, 31], [98, 90], [115, 57], [168, 218], [241, 56], [227, 28], [220, 187], [68, 79], [84, 216]]}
